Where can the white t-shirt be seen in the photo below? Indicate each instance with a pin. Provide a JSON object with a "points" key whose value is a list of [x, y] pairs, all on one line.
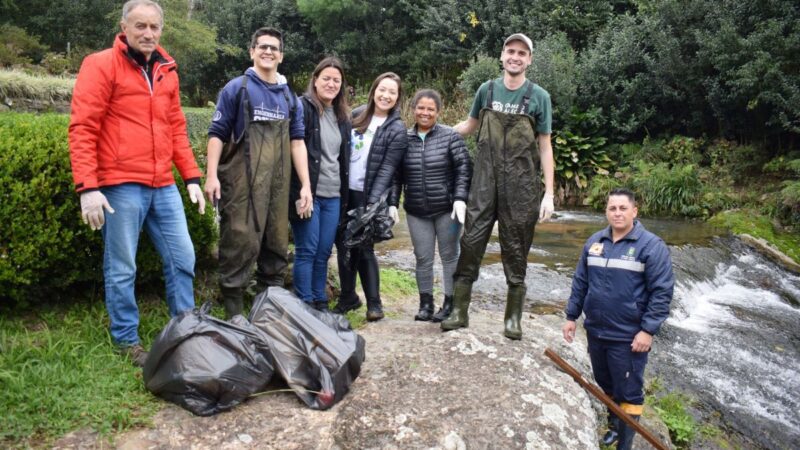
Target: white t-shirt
{"points": [[360, 145]]}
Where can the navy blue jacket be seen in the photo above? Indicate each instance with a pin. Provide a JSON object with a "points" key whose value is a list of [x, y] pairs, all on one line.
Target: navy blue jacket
{"points": [[268, 101], [623, 287]]}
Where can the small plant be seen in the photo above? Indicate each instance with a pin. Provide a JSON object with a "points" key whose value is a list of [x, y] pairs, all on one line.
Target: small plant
{"points": [[671, 408]]}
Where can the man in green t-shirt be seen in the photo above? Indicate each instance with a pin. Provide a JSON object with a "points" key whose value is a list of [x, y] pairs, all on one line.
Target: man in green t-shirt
{"points": [[514, 117]]}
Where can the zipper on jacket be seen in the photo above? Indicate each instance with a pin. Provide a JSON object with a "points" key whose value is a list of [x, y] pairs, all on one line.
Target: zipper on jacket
{"points": [[424, 186]]}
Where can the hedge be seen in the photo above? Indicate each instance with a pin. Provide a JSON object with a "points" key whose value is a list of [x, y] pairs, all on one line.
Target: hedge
{"points": [[46, 252]]}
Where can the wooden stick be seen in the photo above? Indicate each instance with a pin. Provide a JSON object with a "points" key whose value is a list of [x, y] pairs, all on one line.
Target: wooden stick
{"points": [[597, 392]]}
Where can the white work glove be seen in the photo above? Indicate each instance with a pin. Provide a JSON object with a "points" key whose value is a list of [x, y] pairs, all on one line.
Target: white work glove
{"points": [[459, 211], [394, 214], [92, 204], [547, 208], [196, 196]]}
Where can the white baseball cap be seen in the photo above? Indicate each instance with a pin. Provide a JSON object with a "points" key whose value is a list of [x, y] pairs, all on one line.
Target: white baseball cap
{"points": [[520, 37]]}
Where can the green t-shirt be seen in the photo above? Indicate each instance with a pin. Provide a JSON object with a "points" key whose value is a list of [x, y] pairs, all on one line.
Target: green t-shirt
{"points": [[510, 102]]}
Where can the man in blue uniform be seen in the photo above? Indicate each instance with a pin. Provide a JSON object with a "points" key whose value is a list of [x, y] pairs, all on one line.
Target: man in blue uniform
{"points": [[623, 284]]}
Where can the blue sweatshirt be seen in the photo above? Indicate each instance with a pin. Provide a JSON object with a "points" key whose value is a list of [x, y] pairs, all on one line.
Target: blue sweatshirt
{"points": [[268, 102], [623, 287]]}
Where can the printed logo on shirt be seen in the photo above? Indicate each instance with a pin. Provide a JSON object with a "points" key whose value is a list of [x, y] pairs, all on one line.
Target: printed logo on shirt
{"points": [[596, 249], [217, 116], [508, 108], [262, 113]]}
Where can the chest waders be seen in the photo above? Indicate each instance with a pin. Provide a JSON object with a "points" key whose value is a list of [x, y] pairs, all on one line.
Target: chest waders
{"points": [[254, 173], [506, 187]]}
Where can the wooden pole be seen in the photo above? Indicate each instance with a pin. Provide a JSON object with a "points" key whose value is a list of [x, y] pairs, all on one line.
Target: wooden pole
{"points": [[594, 390]]}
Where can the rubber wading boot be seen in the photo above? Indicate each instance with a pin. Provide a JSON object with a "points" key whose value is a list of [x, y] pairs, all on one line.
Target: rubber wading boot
{"points": [[459, 317], [514, 303], [374, 310], [233, 301], [626, 434], [611, 435], [425, 307], [445, 310]]}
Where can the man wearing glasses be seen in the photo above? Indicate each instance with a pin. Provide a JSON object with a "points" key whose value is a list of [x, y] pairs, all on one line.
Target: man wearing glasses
{"points": [[258, 122]]}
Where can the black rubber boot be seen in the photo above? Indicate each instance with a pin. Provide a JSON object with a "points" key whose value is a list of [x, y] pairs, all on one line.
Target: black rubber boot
{"points": [[611, 435], [445, 310], [459, 317], [425, 307], [374, 310], [626, 434], [233, 301], [514, 302]]}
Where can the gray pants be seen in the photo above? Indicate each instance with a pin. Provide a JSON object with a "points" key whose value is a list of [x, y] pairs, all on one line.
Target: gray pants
{"points": [[424, 235]]}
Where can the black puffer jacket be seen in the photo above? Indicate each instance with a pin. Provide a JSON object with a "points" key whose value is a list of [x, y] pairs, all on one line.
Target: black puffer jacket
{"points": [[388, 148], [314, 148], [434, 172]]}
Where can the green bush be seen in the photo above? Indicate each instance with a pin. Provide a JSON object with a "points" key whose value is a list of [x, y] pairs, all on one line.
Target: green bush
{"points": [[479, 71], [671, 408], [44, 246], [17, 47]]}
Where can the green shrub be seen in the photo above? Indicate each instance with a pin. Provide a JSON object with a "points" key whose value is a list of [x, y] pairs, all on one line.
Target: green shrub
{"points": [[684, 150], [479, 71], [17, 47], [44, 246], [17, 84]]}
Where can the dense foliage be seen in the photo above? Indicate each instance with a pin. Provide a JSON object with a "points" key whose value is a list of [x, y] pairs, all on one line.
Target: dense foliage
{"points": [[692, 67], [44, 246]]}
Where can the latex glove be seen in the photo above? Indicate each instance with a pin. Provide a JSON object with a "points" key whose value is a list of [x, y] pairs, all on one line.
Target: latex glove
{"points": [[394, 214], [196, 196], [459, 211], [92, 204], [547, 208]]}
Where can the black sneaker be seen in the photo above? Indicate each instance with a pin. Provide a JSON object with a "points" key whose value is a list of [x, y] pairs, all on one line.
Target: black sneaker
{"points": [[343, 307], [136, 353], [320, 305]]}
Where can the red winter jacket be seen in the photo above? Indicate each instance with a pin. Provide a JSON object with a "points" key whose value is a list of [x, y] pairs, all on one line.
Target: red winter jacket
{"points": [[121, 130]]}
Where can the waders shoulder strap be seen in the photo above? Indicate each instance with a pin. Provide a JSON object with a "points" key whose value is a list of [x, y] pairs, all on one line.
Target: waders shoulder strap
{"points": [[526, 100], [248, 165]]}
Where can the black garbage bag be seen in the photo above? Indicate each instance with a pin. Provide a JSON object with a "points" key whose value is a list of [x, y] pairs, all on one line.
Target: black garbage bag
{"points": [[207, 365], [365, 226], [315, 352]]}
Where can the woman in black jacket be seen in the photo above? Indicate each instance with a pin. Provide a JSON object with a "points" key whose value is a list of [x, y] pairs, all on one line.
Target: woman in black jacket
{"points": [[378, 143], [326, 116], [435, 174]]}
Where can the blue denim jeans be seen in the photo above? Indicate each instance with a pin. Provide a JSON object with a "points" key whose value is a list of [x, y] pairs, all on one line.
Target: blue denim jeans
{"points": [[160, 212], [313, 242]]}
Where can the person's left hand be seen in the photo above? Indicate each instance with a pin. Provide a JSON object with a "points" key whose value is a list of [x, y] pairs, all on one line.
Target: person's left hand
{"points": [[641, 342], [568, 331], [459, 211], [547, 208], [196, 196], [395, 216], [305, 204]]}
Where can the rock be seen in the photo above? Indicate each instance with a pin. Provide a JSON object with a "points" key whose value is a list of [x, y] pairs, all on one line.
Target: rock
{"points": [[419, 388], [768, 250]]}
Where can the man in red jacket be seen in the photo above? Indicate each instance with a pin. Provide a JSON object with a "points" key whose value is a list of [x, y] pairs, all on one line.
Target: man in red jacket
{"points": [[126, 131]]}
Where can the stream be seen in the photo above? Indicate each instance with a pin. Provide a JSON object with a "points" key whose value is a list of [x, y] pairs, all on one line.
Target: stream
{"points": [[732, 340]]}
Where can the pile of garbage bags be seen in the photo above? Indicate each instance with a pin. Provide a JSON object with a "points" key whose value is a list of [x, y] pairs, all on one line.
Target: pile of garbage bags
{"points": [[207, 365]]}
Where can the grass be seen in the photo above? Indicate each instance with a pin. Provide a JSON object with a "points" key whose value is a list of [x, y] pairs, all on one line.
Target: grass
{"points": [[751, 222], [18, 84], [59, 372], [395, 284]]}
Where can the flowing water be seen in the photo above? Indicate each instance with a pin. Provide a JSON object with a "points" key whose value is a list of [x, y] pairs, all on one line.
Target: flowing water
{"points": [[732, 340]]}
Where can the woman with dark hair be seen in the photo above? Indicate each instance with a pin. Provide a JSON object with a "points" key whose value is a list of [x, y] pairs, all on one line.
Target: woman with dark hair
{"points": [[435, 175], [326, 115], [378, 143]]}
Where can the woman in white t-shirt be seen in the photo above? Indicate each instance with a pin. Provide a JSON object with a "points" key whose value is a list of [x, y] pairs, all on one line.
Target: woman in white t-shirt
{"points": [[378, 144]]}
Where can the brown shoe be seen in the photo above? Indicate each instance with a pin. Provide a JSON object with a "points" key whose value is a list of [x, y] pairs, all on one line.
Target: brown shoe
{"points": [[136, 353]]}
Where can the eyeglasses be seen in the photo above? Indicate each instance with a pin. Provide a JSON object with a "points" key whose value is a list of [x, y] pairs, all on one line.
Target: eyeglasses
{"points": [[265, 47]]}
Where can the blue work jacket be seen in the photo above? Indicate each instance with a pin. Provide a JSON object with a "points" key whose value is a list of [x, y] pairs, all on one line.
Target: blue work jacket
{"points": [[623, 287]]}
